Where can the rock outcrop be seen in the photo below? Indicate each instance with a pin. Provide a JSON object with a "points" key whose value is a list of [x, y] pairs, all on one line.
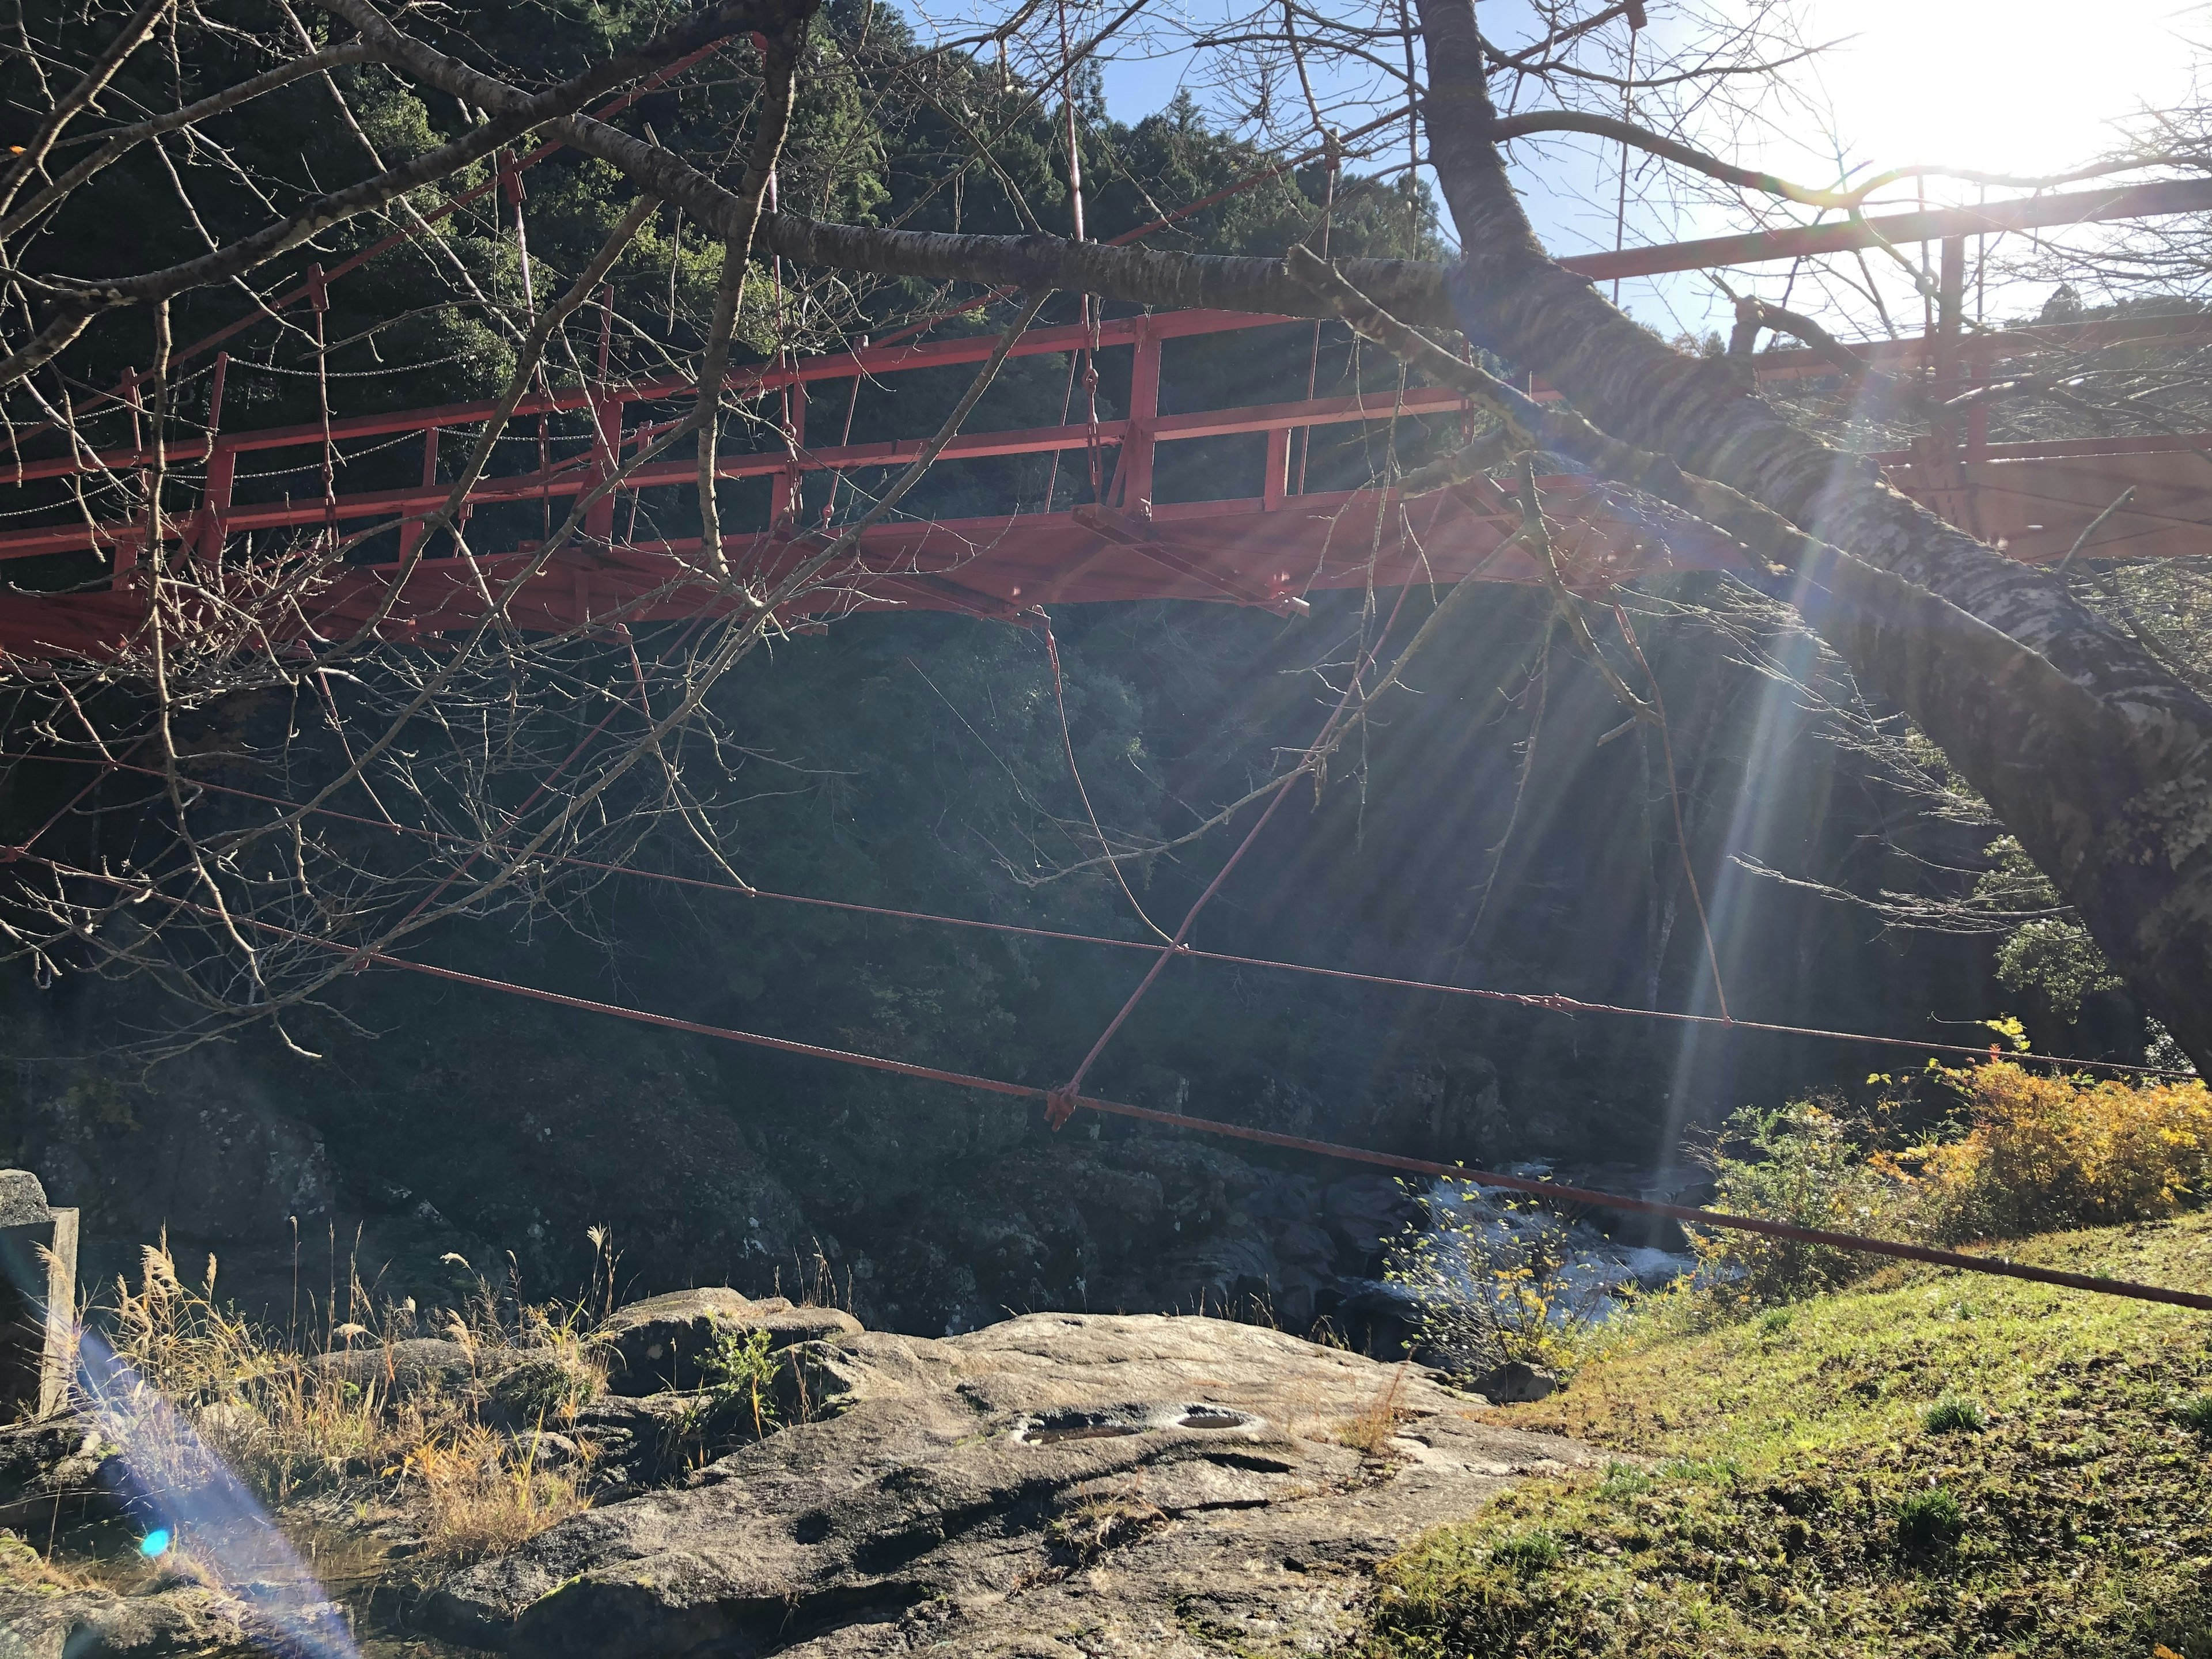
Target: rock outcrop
{"points": [[1058, 1485], [659, 1344], [401, 1370], [55, 1470]]}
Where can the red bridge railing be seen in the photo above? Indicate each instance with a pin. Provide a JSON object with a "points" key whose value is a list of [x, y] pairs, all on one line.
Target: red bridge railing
{"points": [[1267, 546], [1258, 539]]}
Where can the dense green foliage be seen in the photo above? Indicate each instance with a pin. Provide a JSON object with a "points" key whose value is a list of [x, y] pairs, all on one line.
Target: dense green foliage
{"points": [[876, 139], [2018, 1151]]}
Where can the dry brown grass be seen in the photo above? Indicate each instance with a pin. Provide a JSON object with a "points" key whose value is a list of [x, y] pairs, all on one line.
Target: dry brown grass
{"points": [[484, 1493], [197, 1378], [1100, 1521], [23, 1568], [1371, 1431]]}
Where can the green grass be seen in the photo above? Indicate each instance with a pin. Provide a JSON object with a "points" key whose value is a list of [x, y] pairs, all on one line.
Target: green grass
{"points": [[1925, 1464], [1929, 1522], [1954, 1415]]}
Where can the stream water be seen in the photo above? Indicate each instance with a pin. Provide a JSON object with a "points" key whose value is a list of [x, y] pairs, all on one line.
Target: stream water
{"points": [[338, 1590], [1475, 1231]]}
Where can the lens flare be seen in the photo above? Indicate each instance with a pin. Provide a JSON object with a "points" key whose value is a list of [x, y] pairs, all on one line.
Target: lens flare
{"points": [[174, 1481]]}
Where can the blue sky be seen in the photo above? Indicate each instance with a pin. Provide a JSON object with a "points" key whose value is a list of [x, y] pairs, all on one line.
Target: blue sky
{"points": [[2016, 85]]}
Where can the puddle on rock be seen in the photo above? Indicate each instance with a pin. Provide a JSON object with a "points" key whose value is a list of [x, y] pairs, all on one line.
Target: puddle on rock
{"points": [[1054, 1429], [1212, 1417]]}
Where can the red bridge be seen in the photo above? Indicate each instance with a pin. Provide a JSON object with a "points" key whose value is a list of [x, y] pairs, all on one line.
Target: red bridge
{"points": [[1258, 540]]}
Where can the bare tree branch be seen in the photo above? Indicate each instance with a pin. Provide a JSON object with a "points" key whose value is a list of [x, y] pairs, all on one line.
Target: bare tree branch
{"points": [[774, 122], [122, 143], [72, 103]]}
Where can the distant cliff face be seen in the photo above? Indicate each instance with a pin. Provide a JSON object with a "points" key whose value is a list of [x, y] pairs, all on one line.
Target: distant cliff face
{"points": [[937, 1220], [918, 763]]}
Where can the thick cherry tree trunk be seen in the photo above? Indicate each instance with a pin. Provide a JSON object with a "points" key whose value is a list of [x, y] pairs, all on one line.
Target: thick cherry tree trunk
{"points": [[2110, 793]]}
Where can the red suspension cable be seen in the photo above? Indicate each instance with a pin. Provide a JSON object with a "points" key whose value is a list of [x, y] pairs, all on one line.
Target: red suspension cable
{"points": [[1958, 1259], [1543, 1001]]}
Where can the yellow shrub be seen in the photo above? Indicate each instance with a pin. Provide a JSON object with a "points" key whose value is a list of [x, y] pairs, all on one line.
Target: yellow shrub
{"points": [[2041, 1151]]}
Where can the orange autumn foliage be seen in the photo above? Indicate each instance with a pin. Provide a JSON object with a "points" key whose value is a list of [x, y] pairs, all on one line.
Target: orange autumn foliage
{"points": [[2037, 1152]]}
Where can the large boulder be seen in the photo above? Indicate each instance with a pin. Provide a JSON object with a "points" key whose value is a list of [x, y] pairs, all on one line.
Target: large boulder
{"points": [[659, 1344], [1059, 1484], [1516, 1383], [22, 1199]]}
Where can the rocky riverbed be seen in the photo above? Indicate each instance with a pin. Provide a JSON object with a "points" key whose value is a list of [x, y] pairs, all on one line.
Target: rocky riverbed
{"points": [[1057, 1484]]}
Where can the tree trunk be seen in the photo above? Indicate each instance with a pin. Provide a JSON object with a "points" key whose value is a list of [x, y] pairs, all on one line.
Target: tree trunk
{"points": [[2111, 797]]}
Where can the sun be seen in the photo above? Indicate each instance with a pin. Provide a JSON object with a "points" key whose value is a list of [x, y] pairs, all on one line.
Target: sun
{"points": [[2024, 86]]}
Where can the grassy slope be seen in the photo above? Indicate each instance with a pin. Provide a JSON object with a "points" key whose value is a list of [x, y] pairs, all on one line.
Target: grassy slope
{"points": [[1764, 1465]]}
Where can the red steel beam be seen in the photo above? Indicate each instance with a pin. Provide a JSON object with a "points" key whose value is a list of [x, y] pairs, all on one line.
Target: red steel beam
{"points": [[1982, 351], [571, 478], [746, 382], [1255, 551], [2030, 213], [1210, 550], [305, 512], [1780, 364]]}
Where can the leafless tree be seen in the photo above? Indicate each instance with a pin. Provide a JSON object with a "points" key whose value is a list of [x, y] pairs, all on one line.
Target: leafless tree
{"points": [[2090, 741]]}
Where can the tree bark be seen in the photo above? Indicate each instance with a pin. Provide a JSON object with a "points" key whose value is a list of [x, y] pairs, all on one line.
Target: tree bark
{"points": [[2112, 798]]}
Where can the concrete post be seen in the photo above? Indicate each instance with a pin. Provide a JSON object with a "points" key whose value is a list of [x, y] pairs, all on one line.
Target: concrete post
{"points": [[38, 1299]]}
